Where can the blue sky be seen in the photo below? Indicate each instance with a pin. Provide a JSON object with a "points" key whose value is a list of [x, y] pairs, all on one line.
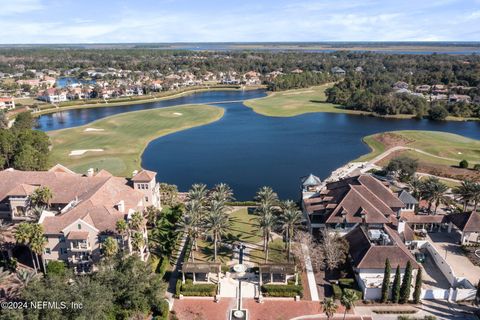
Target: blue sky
{"points": [[88, 21]]}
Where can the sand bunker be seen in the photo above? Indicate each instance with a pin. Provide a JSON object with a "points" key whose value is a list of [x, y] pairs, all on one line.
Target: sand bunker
{"points": [[178, 114], [93, 129], [82, 151]]}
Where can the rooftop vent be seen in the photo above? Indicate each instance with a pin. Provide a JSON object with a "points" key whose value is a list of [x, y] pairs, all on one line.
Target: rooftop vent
{"points": [[379, 237]]}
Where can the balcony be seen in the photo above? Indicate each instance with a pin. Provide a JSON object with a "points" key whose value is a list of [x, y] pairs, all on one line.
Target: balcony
{"points": [[80, 259], [80, 246]]}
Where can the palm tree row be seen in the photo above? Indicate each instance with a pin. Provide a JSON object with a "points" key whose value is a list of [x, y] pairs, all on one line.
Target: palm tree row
{"points": [[206, 213], [31, 235], [272, 214], [469, 193], [432, 190]]}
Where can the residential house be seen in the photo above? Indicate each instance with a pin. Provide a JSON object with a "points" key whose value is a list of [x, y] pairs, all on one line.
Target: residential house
{"points": [[7, 103], [345, 204], [369, 248], [31, 82], [439, 89], [400, 85], [84, 209], [338, 71], [53, 95], [455, 98], [468, 224], [424, 88]]}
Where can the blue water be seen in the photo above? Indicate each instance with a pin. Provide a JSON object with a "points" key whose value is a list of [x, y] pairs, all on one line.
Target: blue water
{"points": [[65, 81], [248, 150]]}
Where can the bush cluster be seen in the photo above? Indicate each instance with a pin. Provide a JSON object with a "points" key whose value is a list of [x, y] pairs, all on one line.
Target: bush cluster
{"points": [[200, 290], [282, 290]]}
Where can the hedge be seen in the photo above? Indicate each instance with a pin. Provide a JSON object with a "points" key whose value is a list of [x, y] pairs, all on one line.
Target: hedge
{"points": [[190, 289], [242, 204], [282, 290], [163, 309], [163, 267], [337, 291]]}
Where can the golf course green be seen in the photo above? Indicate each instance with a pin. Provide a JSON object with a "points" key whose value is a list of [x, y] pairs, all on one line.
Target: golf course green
{"points": [[116, 143]]}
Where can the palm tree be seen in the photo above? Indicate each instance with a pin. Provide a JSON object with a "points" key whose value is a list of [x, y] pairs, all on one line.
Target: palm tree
{"points": [[110, 247], [475, 195], [40, 198], [122, 229], [266, 196], [24, 277], [222, 193], [416, 185], [22, 235], [217, 223], [198, 192], [137, 241], [136, 221], [152, 214], [290, 219], [329, 307], [434, 191], [465, 192], [190, 224], [348, 300], [38, 242], [266, 222]]}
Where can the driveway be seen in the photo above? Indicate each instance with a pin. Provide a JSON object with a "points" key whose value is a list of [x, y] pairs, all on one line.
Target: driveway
{"points": [[447, 245], [433, 278]]}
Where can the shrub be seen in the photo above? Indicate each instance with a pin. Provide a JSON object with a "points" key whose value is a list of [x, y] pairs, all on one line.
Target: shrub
{"points": [[476, 167], [154, 260], [346, 283], [358, 293], [337, 291], [163, 310], [163, 267], [190, 289], [463, 164], [282, 290], [438, 113], [56, 267]]}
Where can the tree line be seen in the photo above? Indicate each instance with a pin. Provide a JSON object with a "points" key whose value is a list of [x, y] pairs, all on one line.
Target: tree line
{"points": [[22, 147]]}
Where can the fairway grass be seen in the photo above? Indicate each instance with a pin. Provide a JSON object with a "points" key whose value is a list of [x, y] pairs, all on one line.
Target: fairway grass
{"points": [[295, 102], [441, 144], [124, 137]]}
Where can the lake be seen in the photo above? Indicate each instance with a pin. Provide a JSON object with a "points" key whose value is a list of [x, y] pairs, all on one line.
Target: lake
{"points": [[248, 150]]}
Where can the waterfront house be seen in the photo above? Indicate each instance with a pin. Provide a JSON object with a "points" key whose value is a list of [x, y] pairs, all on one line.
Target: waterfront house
{"points": [[424, 88], [455, 98], [338, 71], [345, 204], [83, 211], [53, 95], [7, 103]]}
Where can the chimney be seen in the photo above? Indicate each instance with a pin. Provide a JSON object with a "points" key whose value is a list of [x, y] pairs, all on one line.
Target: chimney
{"points": [[121, 206], [90, 172], [401, 226]]}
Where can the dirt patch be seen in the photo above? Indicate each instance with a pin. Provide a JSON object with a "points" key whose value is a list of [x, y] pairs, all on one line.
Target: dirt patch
{"points": [[390, 140]]}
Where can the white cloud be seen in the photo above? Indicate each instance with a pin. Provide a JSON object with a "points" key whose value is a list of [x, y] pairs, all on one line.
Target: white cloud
{"points": [[8, 7]]}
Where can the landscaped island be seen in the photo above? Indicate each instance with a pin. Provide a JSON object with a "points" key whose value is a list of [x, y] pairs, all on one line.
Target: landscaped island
{"points": [[116, 143]]}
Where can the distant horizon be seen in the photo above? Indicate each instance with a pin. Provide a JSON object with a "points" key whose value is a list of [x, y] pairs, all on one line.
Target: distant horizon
{"points": [[459, 42]]}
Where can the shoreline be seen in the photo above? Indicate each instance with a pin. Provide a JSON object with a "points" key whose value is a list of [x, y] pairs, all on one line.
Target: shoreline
{"points": [[150, 99]]}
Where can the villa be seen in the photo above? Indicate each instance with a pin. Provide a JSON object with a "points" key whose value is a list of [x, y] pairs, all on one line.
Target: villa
{"points": [[83, 211], [7, 103], [53, 95]]}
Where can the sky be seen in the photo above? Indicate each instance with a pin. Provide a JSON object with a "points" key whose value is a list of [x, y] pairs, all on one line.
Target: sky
{"points": [[118, 21]]}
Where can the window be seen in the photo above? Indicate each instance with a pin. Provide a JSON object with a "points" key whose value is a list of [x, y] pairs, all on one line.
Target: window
{"points": [[146, 199], [61, 239], [48, 251], [146, 186], [79, 226], [63, 250]]}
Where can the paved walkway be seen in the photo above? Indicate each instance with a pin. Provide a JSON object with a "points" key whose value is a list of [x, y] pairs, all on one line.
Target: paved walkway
{"points": [[312, 284], [172, 283]]}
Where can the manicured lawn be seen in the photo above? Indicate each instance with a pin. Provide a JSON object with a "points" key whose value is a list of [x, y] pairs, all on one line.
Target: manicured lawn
{"points": [[124, 137], [441, 144], [244, 228], [295, 102]]}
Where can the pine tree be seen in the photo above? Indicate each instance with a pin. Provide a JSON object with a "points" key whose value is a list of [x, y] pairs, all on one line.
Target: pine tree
{"points": [[418, 286], [386, 281], [396, 286], [407, 280]]}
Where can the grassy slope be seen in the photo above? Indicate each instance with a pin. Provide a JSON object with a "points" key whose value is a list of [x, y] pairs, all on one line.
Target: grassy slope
{"points": [[125, 136], [294, 102], [441, 144]]}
